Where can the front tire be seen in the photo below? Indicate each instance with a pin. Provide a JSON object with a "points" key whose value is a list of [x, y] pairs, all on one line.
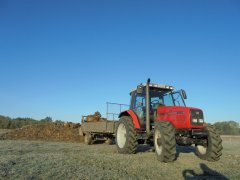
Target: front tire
{"points": [[213, 150], [164, 141], [126, 136]]}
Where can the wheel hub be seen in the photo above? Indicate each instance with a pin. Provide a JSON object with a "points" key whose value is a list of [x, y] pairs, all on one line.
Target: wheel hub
{"points": [[158, 142], [121, 135], [201, 149]]}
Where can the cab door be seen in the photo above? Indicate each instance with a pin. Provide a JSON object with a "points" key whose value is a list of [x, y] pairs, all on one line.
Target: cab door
{"points": [[138, 105]]}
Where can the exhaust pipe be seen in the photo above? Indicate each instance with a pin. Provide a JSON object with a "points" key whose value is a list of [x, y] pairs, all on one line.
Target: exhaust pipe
{"points": [[147, 107]]}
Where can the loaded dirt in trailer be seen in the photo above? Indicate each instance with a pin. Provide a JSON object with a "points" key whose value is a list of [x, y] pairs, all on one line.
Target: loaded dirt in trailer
{"points": [[95, 128]]}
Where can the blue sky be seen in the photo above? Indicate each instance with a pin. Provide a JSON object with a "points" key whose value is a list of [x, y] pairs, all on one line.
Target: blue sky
{"points": [[68, 58]]}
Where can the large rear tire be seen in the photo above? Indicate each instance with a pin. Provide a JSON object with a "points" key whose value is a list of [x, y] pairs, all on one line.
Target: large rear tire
{"points": [[126, 136], [164, 141], [213, 150]]}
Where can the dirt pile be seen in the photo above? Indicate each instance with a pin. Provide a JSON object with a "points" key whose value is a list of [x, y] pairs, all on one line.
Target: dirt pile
{"points": [[94, 118], [48, 131]]}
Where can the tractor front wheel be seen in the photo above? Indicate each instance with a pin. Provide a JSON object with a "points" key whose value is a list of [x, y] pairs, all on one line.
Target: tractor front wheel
{"points": [[126, 136], [164, 141], [213, 150]]}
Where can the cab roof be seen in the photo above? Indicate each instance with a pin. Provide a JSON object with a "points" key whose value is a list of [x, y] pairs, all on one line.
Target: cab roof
{"points": [[157, 86]]}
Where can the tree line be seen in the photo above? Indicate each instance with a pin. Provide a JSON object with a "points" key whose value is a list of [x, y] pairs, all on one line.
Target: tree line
{"points": [[228, 127], [13, 123], [225, 127]]}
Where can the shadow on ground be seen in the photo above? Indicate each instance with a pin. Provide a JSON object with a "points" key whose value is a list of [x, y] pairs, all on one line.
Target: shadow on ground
{"points": [[180, 149], [144, 148], [208, 173], [99, 142], [184, 149]]}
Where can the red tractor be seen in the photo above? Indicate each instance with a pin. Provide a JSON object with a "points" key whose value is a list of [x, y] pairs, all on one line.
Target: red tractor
{"points": [[159, 116]]}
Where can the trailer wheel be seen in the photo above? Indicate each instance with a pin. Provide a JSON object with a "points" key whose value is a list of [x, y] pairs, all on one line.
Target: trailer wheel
{"points": [[80, 132], [109, 141], [164, 141], [213, 150], [126, 136], [88, 139]]}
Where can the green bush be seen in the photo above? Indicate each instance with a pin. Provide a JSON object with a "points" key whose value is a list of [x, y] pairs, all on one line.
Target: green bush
{"points": [[228, 127], [9, 123]]}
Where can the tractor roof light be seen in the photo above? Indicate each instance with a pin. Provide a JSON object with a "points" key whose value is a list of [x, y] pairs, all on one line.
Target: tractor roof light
{"points": [[160, 86]]}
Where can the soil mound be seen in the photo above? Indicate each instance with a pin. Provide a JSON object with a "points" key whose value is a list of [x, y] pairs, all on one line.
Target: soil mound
{"points": [[47, 131]]}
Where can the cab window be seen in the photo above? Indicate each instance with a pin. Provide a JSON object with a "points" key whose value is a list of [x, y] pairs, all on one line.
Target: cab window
{"points": [[168, 100], [140, 101]]}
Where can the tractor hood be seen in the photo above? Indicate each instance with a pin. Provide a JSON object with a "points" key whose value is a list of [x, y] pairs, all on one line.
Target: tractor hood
{"points": [[181, 116]]}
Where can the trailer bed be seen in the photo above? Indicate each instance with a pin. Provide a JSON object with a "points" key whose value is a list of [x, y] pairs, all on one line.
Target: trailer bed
{"points": [[99, 127]]}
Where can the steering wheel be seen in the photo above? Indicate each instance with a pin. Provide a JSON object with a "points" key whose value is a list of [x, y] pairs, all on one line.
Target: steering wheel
{"points": [[157, 102], [154, 103]]}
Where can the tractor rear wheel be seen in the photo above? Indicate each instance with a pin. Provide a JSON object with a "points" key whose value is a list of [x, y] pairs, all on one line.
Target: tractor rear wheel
{"points": [[126, 136], [88, 139], [213, 150], [164, 141]]}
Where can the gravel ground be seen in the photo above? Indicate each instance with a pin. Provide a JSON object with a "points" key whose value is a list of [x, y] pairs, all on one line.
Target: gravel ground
{"points": [[23, 159]]}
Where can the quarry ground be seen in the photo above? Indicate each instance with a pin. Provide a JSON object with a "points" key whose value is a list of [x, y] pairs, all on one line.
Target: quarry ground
{"points": [[28, 159]]}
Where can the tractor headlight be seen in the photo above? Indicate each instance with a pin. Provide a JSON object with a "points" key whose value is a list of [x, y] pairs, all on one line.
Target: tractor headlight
{"points": [[196, 117], [195, 120]]}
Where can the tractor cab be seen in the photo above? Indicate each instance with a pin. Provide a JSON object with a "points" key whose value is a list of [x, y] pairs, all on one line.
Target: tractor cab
{"points": [[159, 96]]}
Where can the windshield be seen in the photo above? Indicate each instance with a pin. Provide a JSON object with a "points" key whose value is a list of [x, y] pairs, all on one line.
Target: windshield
{"points": [[166, 98], [178, 99]]}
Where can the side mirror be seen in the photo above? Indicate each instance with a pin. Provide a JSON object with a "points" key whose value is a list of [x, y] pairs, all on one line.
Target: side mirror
{"points": [[140, 89], [184, 94]]}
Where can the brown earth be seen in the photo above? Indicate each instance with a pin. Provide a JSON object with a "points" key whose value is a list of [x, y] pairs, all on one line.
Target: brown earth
{"points": [[48, 131]]}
